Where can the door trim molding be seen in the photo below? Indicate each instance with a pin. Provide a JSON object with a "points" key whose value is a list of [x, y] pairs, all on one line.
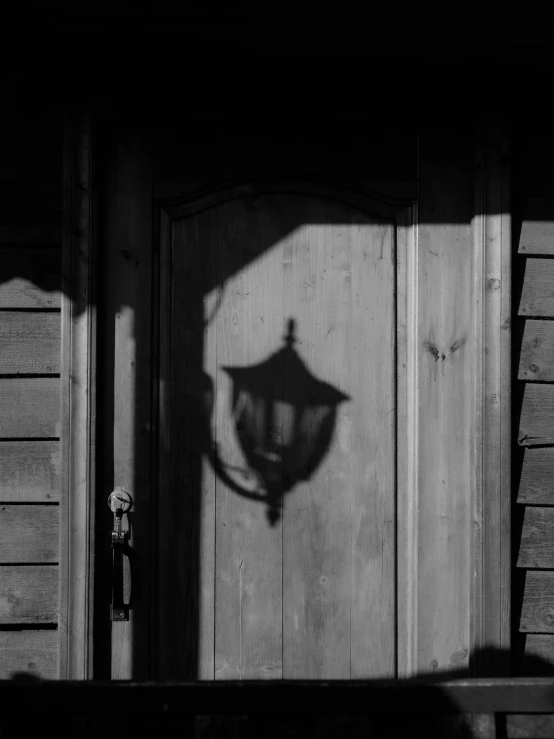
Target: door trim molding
{"points": [[483, 527], [77, 381], [490, 611], [335, 190], [407, 441]]}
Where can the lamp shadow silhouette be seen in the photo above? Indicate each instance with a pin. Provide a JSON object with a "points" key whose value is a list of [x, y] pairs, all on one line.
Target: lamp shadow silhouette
{"points": [[284, 420]]}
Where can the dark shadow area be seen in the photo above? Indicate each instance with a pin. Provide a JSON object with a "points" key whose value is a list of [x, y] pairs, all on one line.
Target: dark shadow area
{"points": [[433, 706]]}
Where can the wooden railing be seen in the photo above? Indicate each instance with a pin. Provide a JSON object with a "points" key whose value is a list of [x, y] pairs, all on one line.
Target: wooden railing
{"points": [[492, 708], [504, 695]]}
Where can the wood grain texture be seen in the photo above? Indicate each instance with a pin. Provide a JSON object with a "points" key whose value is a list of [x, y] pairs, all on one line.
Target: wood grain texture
{"points": [[537, 614], [445, 364], [30, 343], [281, 587], [127, 312], [29, 533], [536, 485], [529, 726], [538, 659], [490, 380], [79, 549], [339, 526], [29, 407], [407, 474], [537, 295], [246, 330], [536, 548], [29, 652], [29, 471], [536, 424], [28, 594], [537, 227], [536, 360], [30, 278]]}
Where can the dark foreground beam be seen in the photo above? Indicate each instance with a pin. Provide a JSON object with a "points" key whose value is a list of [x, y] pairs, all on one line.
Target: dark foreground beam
{"points": [[517, 695]]}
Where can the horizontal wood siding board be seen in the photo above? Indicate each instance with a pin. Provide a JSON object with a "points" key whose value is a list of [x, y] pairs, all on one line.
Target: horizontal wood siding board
{"points": [[30, 278], [27, 202], [29, 158], [27, 652], [537, 295], [536, 486], [29, 534], [29, 343], [536, 362], [31, 234], [29, 407], [29, 471], [28, 594], [538, 658], [537, 227], [536, 424], [537, 538], [529, 726], [537, 615]]}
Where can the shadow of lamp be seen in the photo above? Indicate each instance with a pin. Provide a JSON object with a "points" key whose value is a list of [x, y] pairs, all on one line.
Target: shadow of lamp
{"points": [[284, 420]]}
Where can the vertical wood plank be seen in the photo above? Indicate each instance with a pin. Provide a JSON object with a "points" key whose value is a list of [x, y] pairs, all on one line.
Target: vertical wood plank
{"points": [[78, 405], [247, 329], [444, 331], [490, 610], [317, 536], [128, 288], [186, 525], [407, 425], [339, 526]]}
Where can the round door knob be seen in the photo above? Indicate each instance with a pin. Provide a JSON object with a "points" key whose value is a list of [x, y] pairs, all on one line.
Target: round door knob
{"points": [[119, 500]]}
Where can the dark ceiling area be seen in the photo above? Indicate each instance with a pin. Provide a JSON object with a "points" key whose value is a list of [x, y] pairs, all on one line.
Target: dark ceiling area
{"points": [[451, 60]]}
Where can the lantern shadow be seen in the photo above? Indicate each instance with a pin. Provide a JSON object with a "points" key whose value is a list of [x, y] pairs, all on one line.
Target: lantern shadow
{"points": [[284, 419]]}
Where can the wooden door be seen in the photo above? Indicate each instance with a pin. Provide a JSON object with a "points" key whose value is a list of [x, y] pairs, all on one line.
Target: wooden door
{"points": [[295, 390], [277, 501]]}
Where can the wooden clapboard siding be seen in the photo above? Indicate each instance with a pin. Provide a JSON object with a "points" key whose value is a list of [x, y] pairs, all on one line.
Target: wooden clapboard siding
{"points": [[29, 533], [30, 278], [537, 538], [537, 294], [30, 211], [534, 280], [537, 615], [536, 425], [539, 655], [31, 159], [29, 471], [30, 343], [537, 228], [536, 485], [28, 594], [29, 407], [529, 726], [27, 652], [536, 360]]}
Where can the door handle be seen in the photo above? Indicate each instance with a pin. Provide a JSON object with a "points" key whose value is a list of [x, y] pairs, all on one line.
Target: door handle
{"points": [[119, 503]]}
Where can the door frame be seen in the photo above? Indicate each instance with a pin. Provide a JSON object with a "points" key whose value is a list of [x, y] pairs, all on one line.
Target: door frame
{"points": [[490, 348]]}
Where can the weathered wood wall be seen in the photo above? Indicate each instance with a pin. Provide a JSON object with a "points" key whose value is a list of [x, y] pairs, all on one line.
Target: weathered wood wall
{"points": [[533, 357], [30, 252]]}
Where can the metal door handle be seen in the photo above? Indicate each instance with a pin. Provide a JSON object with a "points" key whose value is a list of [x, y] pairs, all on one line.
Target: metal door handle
{"points": [[119, 502]]}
